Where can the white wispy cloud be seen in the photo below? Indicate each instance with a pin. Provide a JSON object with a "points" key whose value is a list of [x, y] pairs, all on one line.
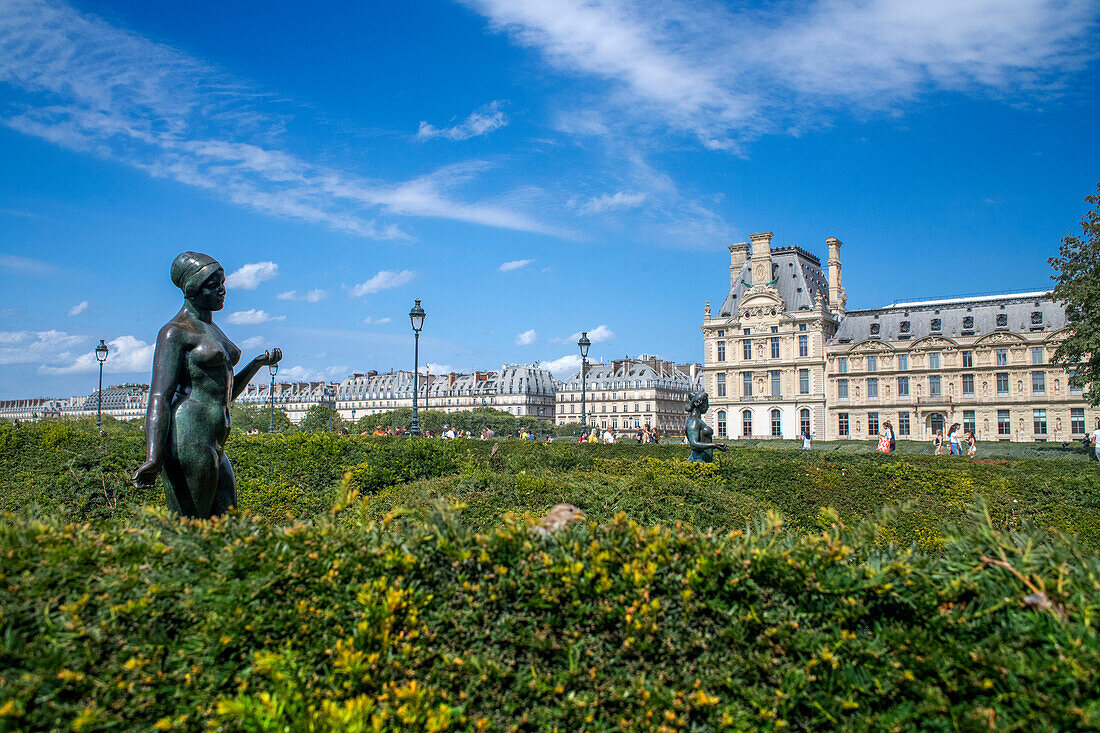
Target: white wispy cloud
{"points": [[251, 317], [251, 275], [725, 74], [526, 338], [597, 335], [53, 351], [313, 296], [384, 280], [92, 87], [24, 265], [370, 321], [79, 308], [252, 342], [300, 373], [612, 201], [40, 347], [514, 265], [481, 121], [564, 366]]}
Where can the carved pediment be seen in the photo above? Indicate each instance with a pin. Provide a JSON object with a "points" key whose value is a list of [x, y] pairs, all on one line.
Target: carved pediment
{"points": [[760, 301], [933, 343], [1000, 337], [874, 346]]}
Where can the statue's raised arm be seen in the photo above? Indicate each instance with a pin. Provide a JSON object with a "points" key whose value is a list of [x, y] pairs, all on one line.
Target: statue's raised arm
{"points": [[187, 421], [699, 434]]}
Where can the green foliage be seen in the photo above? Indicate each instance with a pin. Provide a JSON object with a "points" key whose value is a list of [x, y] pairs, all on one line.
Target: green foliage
{"points": [[1078, 286], [245, 418], [321, 419], [335, 625], [503, 424], [72, 474]]}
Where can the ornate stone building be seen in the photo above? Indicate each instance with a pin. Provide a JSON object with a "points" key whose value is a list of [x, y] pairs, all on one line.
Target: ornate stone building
{"points": [[628, 394], [783, 355], [293, 398], [520, 389], [981, 362], [764, 350]]}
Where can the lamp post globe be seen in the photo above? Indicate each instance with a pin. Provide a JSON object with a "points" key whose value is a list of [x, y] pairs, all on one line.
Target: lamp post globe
{"points": [[416, 317], [273, 369], [101, 352], [584, 345]]}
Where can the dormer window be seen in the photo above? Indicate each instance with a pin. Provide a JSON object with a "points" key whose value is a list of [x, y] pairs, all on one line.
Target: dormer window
{"points": [[968, 322], [936, 324], [1002, 320], [1036, 318], [905, 326], [875, 328]]}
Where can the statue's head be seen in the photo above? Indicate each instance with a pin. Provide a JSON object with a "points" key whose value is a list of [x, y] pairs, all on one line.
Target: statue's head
{"points": [[201, 279], [698, 401]]}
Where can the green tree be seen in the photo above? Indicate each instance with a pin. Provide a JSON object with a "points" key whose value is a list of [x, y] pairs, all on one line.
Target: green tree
{"points": [[258, 417], [321, 419], [1078, 278]]}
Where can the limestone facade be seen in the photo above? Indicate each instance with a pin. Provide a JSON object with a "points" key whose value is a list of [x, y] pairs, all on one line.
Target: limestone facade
{"points": [[783, 355], [981, 362], [627, 394], [520, 389], [764, 349]]}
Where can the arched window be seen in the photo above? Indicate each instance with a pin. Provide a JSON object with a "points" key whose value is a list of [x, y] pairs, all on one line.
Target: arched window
{"points": [[804, 421], [721, 423], [777, 423], [746, 423]]}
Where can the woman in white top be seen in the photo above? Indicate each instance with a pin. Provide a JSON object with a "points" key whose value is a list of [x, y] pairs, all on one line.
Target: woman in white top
{"points": [[1096, 440], [953, 438], [805, 441]]}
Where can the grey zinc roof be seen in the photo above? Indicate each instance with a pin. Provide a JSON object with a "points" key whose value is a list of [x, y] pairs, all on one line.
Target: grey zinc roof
{"points": [[914, 320], [798, 277], [633, 375]]}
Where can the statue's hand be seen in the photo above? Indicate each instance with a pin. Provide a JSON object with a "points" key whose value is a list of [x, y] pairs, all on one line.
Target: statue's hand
{"points": [[270, 357], [721, 446], [146, 475]]}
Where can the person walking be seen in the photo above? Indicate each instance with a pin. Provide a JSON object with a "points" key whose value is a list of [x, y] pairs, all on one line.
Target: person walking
{"points": [[885, 438], [953, 439], [937, 443], [973, 444]]}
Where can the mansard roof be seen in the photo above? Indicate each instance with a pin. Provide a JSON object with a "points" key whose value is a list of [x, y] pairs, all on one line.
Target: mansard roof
{"points": [[798, 277], [627, 374], [953, 318]]}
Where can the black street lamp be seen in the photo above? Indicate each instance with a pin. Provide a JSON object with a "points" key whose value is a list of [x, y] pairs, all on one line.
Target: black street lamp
{"points": [[584, 343], [416, 315], [101, 352], [274, 369]]}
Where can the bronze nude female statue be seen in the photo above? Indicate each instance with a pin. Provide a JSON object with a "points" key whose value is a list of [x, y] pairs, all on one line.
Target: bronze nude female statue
{"points": [[699, 434], [187, 421]]}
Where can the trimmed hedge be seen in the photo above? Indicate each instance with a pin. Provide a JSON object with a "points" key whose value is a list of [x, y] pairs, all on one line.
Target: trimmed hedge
{"points": [[334, 625], [71, 473]]}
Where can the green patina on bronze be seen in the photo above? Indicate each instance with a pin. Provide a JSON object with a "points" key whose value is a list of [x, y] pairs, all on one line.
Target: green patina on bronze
{"points": [[699, 434], [187, 421]]}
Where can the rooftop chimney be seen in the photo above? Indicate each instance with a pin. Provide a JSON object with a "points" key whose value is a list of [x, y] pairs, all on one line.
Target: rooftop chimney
{"points": [[739, 254], [837, 298], [761, 258]]}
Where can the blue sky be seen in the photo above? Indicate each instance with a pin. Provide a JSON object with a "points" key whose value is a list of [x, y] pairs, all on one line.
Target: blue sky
{"points": [[528, 169]]}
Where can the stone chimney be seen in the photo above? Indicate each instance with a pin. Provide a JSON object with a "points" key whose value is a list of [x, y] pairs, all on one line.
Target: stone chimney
{"points": [[739, 254], [761, 258], [837, 298]]}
